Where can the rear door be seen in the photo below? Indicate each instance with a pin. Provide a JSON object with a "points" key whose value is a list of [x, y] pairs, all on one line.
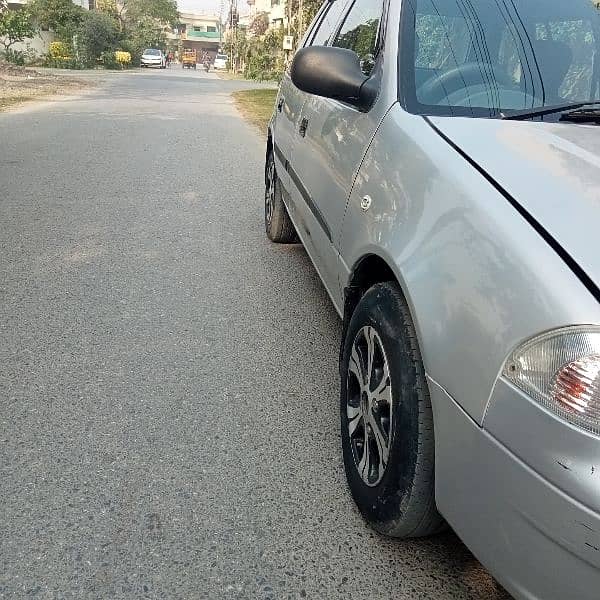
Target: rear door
{"points": [[287, 116], [332, 139]]}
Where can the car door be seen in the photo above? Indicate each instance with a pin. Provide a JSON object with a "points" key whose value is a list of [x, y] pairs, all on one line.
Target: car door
{"points": [[332, 138], [290, 99], [286, 118]]}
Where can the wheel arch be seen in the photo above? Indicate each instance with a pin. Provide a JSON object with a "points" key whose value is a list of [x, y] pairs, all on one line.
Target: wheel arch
{"points": [[367, 271]]}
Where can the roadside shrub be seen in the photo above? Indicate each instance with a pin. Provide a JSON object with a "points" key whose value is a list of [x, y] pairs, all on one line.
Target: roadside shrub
{"points": [[108, 60], [123, 58], [97, 37], [264, 59], [60, 56], [16, 57], [59, 50]]}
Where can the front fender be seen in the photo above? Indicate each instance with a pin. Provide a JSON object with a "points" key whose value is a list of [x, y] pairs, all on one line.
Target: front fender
{"points": [[476, 275]]}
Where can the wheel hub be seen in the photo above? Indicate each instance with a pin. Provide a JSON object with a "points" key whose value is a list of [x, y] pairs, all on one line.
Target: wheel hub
{"points": [[369, 405]]}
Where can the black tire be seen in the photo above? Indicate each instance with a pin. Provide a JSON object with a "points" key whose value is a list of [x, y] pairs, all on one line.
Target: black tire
{"points": [[400, 500], [278, 225]]}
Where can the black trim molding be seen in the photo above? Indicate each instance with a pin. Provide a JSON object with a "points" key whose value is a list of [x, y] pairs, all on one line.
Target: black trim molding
{"points": [[303, 192]]}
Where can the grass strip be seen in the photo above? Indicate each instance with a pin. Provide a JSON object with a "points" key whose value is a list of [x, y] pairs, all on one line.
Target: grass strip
{"points": [[256, 106]]}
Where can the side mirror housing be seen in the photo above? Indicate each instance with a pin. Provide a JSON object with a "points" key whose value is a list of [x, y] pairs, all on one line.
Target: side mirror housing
{"points": [[333, 73]]}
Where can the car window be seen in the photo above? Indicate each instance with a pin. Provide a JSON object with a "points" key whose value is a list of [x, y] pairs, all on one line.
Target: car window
{"points": [[441, 41], [579, 40], [152, 52], [360, 32], [483, 58], [329, 22]]}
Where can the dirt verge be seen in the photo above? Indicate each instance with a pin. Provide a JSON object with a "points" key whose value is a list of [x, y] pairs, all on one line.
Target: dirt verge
{"points": [[20, 84]]}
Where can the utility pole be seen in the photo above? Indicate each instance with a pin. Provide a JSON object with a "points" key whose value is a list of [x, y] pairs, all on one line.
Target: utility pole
{"points": [[231, 21], [301, 23], [236, 17], [221, 7]]}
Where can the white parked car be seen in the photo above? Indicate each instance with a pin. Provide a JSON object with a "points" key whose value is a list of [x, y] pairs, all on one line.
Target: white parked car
{"points": [[152, 57], [220, 61]]}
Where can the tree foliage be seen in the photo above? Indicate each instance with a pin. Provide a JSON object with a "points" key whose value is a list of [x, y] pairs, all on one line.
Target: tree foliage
{"points": [[162, 11], [259, 24], [60, 16], [148, 33], [97, 33], [300, 22], [115, 25], [15, 26]]}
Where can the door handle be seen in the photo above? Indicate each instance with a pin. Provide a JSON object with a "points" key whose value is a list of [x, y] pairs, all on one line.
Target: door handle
{"points": [[280, 104], [303, 127]]}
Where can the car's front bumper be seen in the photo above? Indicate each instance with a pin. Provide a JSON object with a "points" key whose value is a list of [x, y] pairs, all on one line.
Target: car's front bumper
{"points": [[523, 493], [151, 63]]}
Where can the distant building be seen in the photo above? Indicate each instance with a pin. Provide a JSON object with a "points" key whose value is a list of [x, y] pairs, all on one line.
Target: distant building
{"points": [[275, 9], [200, 32]]}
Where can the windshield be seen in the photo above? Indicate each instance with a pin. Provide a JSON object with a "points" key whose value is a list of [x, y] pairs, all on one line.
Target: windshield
{"points": [[221, 57], [152, 52], [460, 57]]}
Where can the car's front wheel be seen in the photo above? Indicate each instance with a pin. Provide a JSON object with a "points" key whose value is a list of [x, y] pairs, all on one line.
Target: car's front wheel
{"points": [[278, 225], [386, 417]]}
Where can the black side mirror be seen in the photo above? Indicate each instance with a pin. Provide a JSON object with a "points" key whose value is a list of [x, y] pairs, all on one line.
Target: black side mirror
{"points": [[333, 73]]}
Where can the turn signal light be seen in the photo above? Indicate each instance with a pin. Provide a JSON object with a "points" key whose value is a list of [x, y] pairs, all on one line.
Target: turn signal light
{"points": [[561, 371]]}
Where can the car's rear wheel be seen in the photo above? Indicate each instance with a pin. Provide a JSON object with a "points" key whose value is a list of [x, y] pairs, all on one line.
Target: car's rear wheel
{"points": [[386, 417], [278, 225]]}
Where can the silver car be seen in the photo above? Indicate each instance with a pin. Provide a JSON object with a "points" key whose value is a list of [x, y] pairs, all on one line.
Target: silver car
{"points": [[440, 162], [153, 57]]}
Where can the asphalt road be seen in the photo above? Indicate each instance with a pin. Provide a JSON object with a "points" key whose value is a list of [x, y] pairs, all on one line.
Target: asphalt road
{"points": [[168, 384]]}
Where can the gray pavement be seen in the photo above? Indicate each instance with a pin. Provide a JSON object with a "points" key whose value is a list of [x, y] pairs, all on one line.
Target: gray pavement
{"points": [[168, 384]]}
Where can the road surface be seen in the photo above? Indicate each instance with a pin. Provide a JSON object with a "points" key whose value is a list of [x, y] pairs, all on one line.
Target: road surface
{"points": [[168, 391]]}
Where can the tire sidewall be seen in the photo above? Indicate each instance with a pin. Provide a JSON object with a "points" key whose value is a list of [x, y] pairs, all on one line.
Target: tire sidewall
{"points": [[384, 504]]}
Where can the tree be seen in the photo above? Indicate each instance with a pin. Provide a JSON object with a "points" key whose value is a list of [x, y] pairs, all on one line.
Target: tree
{"points": [[98, 33], [300, 22], [259, 24], [131, 12], [61, 16], [148, 33], [15, 26], [107, 6]]}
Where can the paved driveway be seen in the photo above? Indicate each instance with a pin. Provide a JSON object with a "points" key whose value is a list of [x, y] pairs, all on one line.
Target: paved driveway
{"points": [[168, 384]]}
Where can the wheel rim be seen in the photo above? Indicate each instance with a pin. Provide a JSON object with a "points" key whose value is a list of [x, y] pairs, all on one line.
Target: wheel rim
{"points": [[369, 406], [270, 192]]}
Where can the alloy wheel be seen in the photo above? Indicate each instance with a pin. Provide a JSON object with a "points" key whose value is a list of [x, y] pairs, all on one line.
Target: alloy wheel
{"points": [[369, 405], [270, 192]]}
